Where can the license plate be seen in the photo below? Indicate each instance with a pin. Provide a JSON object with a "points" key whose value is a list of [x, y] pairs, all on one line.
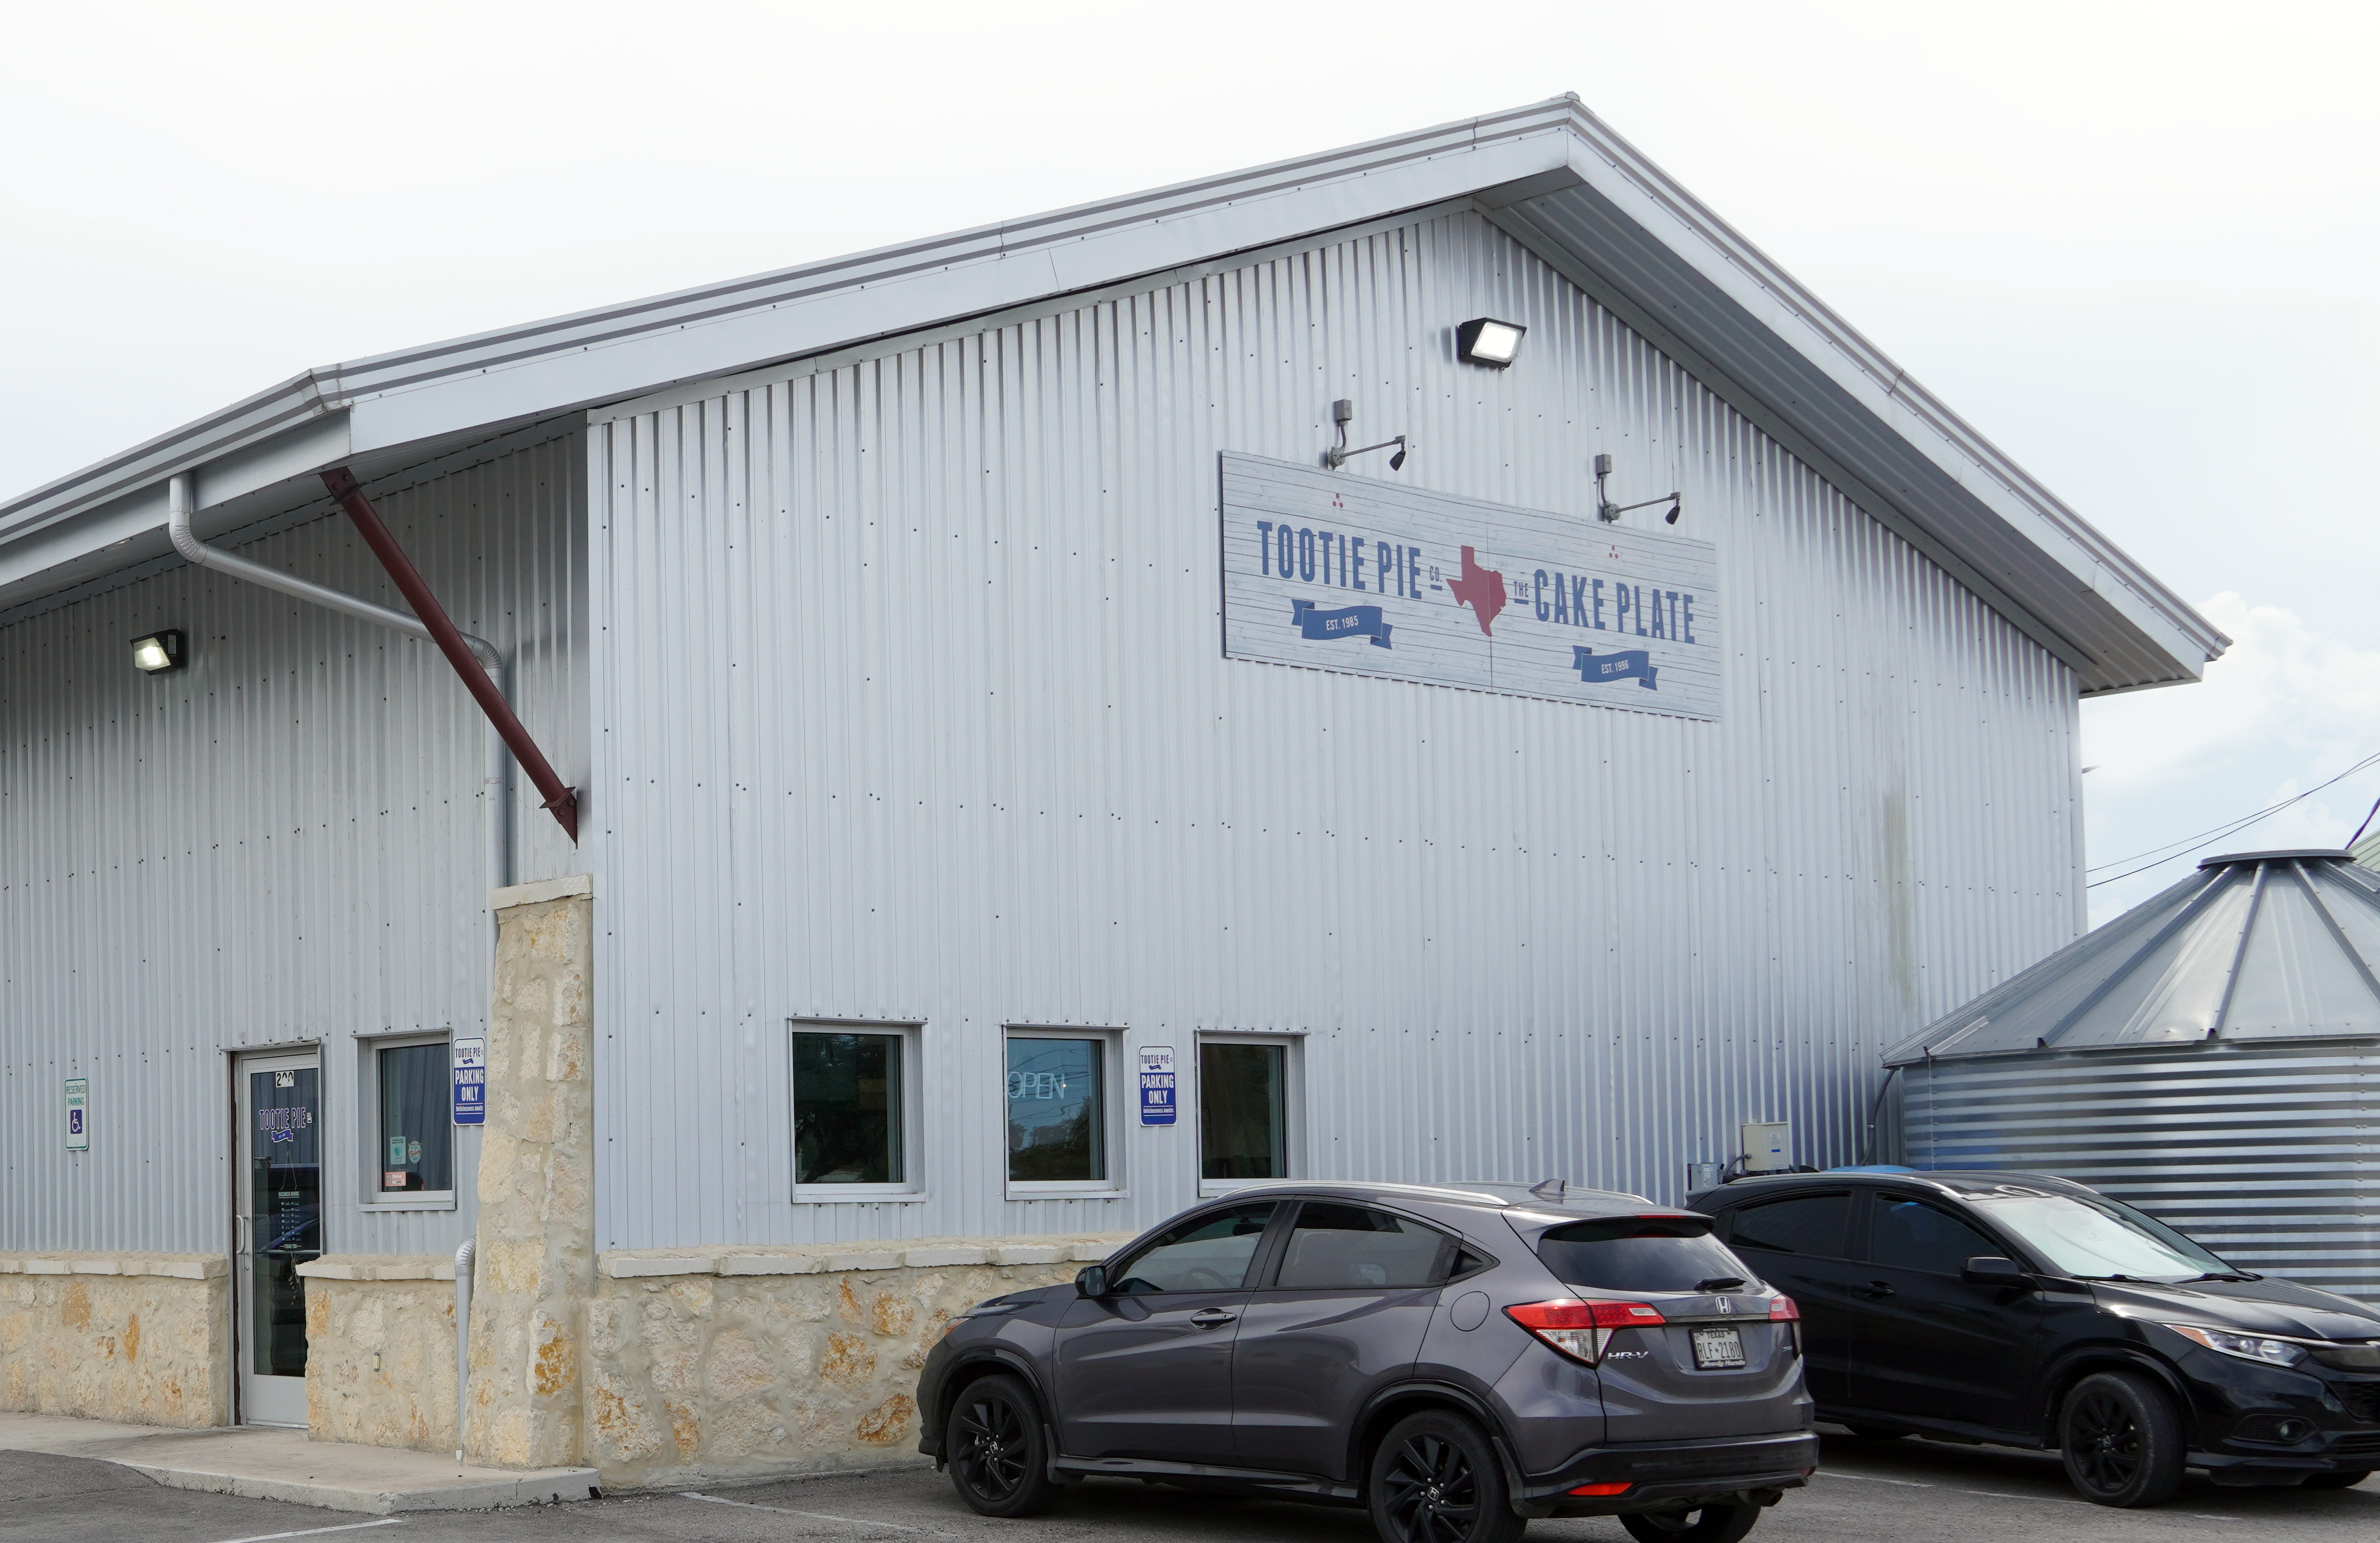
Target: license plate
{"points": [[1718, 1349]]}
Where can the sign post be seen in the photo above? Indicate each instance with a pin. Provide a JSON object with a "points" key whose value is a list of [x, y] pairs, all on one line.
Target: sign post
{"points": [[78, 1114], [1157, 1086], [470, 1081]]}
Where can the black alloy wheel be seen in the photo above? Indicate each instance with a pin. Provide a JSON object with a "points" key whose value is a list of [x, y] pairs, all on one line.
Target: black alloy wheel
{"points": [[1436, 1479], [2121, 1439], [995, 1446], [1712, 1524]]}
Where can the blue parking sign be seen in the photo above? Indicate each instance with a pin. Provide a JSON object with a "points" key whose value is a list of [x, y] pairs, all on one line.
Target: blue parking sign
{"points": [[471, 1082], [1157, 1086]]}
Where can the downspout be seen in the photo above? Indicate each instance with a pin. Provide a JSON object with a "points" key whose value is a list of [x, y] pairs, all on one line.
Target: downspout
{"points": [[464, 1257], [179, 503]]}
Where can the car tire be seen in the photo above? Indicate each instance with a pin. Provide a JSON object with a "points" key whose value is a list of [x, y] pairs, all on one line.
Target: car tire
{"points": [[2121, 1439], [998, 1449], [1712, 1524], [1435, 1478], [2347, 1480]]}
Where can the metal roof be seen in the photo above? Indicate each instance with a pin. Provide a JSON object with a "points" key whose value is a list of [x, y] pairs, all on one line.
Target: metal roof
{"points": [[2254, 947], [1552, 175]]}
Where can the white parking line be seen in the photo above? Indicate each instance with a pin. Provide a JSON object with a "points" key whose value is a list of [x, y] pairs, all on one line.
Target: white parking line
{"points": [[316, 1532], [2002, 1494], [786, 1510]]}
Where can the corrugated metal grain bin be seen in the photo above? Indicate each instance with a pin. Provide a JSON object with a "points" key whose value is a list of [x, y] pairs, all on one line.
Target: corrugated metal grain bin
{"points": [[2211, 1056]]}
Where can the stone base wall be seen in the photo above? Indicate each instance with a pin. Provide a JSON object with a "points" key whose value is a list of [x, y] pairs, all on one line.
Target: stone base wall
{"points": [[727, 1364], [380, 1350], [143, 1339]]}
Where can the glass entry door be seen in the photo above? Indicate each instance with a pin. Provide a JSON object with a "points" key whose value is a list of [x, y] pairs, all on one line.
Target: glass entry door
{"points": [[278, 1226]]}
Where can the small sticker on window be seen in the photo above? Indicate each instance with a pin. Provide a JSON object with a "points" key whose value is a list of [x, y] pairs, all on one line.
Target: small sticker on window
{"points": [[413, 1153], [396, 1150], [392, 1181]]}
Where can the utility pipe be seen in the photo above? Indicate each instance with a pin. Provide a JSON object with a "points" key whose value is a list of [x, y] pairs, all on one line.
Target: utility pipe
{"points": [[464, 1259], [179, 504], [560, 801]]}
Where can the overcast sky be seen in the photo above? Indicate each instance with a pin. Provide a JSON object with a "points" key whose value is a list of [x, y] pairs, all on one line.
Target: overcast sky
{"points": [[2129, 243]]}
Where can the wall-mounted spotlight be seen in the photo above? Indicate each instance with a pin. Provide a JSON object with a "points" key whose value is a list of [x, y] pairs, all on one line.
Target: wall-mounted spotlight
{"points": [[1489, 342], [1607, 511], [157, 652], [1342, 412]]}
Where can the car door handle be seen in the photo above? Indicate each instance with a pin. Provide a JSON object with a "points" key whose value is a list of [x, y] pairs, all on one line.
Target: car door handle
{"points": [[1211, 1318], [1874, 1291]]}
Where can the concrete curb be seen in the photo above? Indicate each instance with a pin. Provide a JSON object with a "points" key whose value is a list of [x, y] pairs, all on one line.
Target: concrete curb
{"points": [[541, 1488]]}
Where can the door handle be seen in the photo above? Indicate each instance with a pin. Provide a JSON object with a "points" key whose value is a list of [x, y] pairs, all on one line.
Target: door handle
{"points": [[1874, 1291], [1211, 1318]]}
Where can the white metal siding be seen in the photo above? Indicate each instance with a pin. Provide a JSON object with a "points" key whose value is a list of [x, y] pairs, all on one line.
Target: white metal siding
{"points": [[282, 842], [912, 706]]}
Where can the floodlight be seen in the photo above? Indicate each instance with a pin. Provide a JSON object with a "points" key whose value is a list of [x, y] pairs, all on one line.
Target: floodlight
{"points": [[158, 653], [1489, 342]]}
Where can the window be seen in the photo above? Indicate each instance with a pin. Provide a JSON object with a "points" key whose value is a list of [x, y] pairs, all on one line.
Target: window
{"points": [[1911, 1235], [1059, 1110], [853, 1088], [1243, 1110], [1206, 1253], [1336, 1247], [413, 1153], [1640, 1255], [1812, 1224]]}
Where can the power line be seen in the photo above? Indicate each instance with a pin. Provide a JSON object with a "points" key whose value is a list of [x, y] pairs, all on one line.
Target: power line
{"points": [[2208, 838]]}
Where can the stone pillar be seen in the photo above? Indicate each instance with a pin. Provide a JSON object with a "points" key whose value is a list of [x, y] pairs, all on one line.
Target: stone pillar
{"points": [[536, 1269]]}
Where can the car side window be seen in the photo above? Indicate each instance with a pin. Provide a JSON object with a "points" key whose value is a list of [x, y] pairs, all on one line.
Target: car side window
{"points": [[1209, 1252], [1341, 1247], [1910, 1234], [1815, 1226]]}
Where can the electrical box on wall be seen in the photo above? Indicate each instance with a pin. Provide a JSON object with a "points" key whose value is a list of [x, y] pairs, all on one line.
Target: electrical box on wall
{"points": [[1767, 1145]]}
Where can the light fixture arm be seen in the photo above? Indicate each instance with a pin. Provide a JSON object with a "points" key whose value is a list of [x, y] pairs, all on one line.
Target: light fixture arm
{"points": [[1607, 511], [1339, 454]]}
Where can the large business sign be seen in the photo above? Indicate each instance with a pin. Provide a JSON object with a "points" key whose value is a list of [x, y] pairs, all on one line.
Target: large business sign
{"points": [[1348, 573]]}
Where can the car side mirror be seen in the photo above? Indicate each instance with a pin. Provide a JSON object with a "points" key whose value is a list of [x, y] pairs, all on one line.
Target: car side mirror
{"points": [[1091, 1281], [1990, 1270]]}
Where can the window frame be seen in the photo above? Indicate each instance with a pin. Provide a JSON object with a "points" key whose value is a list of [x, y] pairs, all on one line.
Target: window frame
{"points": [[1292, 1105], [1261, 1261], [911, 1107], [1958, 1213], [1854, 1241], [1453, 1245], [1112, 1127], [376, 1199]]}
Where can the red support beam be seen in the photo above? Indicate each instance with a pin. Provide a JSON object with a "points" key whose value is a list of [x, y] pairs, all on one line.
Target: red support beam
{"points": [[560, 801]]}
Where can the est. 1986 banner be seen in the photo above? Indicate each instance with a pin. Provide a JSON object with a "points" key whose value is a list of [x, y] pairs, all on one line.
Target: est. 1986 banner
{"points": [[1345, 572]]}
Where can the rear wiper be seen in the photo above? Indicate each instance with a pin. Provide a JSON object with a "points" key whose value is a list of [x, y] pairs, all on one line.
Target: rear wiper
{"points": [[1719, 1282]]}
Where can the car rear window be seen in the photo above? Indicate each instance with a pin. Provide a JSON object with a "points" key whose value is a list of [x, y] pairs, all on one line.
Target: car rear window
{"points": [[1641, 1254]]}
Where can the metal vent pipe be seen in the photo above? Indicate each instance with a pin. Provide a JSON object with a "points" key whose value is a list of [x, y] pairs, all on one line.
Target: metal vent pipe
{"points": [[464, 1257]]}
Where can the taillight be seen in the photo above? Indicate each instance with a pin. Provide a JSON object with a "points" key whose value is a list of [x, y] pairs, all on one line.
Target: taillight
{"points": [[1601, 1489], [1582, 1329], [1781, 1310]]}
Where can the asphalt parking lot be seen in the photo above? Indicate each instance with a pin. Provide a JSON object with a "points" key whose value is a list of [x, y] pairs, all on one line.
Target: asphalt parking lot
{"points": [[1896, 1490]]}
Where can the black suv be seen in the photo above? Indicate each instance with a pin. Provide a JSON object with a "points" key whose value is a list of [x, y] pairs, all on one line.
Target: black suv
{"points": [[1457, 1359], [2035, 1311]]}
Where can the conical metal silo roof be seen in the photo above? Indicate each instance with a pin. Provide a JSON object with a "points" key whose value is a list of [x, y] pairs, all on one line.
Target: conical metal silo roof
{"points": [[2257, 946]]}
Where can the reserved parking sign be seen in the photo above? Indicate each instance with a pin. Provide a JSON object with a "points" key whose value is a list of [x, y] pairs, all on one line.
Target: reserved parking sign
{"points": [[471, 1082], [1157, 1086]]}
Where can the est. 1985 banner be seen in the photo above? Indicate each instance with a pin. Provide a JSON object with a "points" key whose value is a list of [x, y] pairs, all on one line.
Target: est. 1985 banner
{"points": [[1345, 572]]}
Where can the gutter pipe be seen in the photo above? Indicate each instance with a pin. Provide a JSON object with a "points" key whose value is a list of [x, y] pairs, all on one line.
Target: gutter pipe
{"points": [[560, 801], [180, 502], [464, 1259]]}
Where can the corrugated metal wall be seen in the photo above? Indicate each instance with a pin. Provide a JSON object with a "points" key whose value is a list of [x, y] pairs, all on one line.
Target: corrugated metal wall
{"points": [[914, 708], [282, 843], [2268, 1155]]}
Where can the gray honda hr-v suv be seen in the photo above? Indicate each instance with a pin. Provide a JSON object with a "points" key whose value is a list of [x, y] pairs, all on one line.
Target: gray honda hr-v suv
{"points": [[1457, 1358]]}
